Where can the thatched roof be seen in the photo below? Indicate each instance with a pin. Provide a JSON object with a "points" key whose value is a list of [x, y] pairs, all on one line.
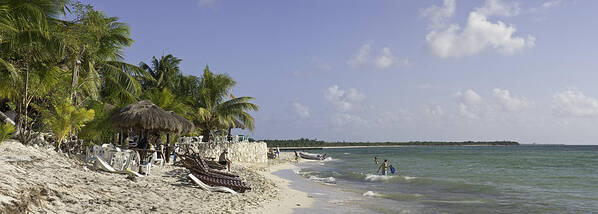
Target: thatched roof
{"points": [[186, 125], [144, 115]]}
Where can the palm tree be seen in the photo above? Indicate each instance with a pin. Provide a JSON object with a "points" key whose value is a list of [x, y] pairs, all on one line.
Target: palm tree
{"points": [[164, 72], [169, 102], [28, 54], [215, 110], [93, 46]]}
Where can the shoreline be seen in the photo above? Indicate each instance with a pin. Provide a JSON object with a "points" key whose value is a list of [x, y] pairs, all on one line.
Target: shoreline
{"points": [[288, 198]]}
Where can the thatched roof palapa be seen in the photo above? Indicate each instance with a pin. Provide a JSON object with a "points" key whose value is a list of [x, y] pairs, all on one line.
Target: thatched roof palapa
{"points": [[144, 115], [186, 125]]}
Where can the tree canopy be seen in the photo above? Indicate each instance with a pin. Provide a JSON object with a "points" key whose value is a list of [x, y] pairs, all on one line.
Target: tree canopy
{"points": [[62, 70]]}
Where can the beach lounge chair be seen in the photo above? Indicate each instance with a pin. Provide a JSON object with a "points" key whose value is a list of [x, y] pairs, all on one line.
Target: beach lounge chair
{"points": [[196, 167], [215, 165], [213, 178], [214, 181], [200, 161], [209, 188]]}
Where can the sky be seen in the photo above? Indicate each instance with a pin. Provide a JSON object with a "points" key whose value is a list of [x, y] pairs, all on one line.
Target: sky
{"points": [[389, 70]]}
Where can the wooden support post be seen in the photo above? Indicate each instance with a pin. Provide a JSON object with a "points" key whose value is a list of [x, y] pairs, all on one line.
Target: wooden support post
{"points": [[167, 156]]}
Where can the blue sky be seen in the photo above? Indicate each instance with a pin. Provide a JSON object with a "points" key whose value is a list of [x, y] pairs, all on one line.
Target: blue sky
{"points": [[389, 70]]}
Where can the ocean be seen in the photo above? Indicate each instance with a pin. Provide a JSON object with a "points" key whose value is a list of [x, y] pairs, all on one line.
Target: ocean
{"points": [[455, 179]]}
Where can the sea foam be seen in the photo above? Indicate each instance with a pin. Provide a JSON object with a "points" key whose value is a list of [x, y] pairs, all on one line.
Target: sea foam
{"points": [[370, 194], [372, 178], [329, 180]]}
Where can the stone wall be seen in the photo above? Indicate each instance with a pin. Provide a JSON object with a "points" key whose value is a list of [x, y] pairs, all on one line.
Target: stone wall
{"points": [[246, 152]]}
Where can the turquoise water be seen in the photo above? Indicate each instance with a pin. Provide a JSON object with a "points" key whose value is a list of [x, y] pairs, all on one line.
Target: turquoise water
{"points": [[484, 179]]}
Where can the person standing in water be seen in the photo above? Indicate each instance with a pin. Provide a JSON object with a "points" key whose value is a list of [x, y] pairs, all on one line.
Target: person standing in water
{"points": [[383, 167], [392, 169], [376, 160], [296, 157]]}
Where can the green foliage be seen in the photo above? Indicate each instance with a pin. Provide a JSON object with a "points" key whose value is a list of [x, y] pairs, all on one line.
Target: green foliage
{"points": [[215, 111], [164, 73], [65, 119], [6, 131], [57, 57], [168, 101], [99, 130], [304, 142]]}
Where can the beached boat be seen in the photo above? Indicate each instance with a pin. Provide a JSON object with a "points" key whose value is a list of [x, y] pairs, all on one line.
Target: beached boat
{"points": [[310, 156]]}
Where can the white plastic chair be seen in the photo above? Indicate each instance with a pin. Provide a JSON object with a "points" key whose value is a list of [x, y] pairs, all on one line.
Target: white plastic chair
{"points": [[155, 158], [119, 160], [109, 150], [97, 151], [147, 165]]}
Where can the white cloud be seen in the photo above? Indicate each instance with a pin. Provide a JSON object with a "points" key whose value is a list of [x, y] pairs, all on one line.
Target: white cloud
{"points": [[361, 58], [479, 33], [498, 8], [469, 97], [385, 59], [550, 4], [434, 111], [439, 16], [343, 100], [302, 110], [344, 119], [205, 3], [574, 103], [543, 7], [508, 102], [314, 67], [469, 104]]}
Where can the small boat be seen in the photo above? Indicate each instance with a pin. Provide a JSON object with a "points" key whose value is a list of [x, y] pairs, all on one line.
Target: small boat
{"points": [[310, 156]]}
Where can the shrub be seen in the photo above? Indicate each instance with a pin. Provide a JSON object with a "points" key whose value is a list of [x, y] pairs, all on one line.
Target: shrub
{"points": [[6, 131]]}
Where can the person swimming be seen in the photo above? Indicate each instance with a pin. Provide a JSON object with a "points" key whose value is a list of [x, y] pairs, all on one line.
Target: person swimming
{"points": [[376, 160], [383, 168]]}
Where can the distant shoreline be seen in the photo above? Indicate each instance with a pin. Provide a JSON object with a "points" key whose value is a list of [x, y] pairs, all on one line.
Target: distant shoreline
{"points": [[373, 146], [317, 144]]}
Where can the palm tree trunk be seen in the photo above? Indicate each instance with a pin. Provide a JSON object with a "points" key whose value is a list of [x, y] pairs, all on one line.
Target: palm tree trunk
{"points": [[167, 155], [206, 135], [75, 79]]}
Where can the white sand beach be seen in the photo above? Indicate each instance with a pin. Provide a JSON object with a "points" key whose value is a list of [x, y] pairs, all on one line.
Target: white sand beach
{"points": [[39, 180]]}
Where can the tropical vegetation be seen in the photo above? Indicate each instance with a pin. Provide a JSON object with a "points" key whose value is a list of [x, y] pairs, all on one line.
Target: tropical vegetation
{"points": [[304, 142], [62, 70]]}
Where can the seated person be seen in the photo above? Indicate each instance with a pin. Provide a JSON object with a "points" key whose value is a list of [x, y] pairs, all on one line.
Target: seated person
{"points": [[223, 160], [143, 143]]}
